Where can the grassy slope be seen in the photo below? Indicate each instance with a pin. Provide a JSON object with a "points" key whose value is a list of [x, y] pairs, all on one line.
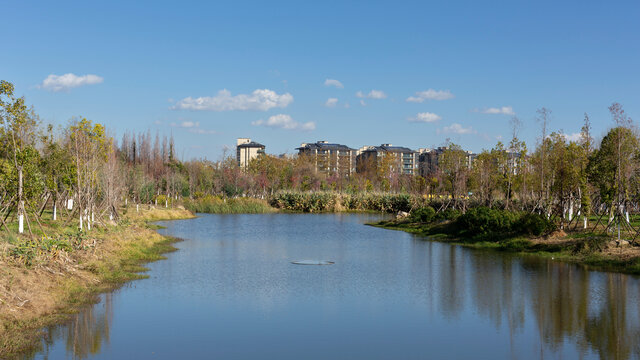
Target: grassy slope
{"points": [[58, 284], [594, 252]]}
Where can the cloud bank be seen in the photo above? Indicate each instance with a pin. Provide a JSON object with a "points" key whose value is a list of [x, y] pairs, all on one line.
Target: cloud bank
{"points": [[193, 127], [431, 94], [258, 100], [283, 121], [425, 117], [373, 94], [68, 81], [505, 110], [331, 102], [456, 128], [334, 83]]}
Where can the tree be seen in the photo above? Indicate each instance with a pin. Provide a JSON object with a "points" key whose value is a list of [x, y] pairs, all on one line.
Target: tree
{"points": [[89, 147], [453, 163]]}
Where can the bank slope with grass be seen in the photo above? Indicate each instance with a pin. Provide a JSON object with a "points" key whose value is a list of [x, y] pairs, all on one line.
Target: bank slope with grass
{"points": [[45, 280], [518, 232]]}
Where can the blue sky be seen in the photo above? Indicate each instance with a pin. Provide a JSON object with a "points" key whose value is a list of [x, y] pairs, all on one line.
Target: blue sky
{"points": [[193, 68]]}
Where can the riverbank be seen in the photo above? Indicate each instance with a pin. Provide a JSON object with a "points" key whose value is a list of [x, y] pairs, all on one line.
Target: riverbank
{"points": [[44, 281], [307, 202], [595, 252]]}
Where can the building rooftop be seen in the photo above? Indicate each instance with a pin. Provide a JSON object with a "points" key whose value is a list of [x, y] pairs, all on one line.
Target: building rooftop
{"points": [[389, 148], [323, 145], [250, 145]]}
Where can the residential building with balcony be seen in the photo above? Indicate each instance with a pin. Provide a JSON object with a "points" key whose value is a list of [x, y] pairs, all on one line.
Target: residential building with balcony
{"points": [[428, 160], [404, 160], [247, 150], [330, 158]]}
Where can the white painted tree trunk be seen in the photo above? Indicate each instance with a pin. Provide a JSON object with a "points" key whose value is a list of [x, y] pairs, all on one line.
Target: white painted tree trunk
{"points": [[81, 215], [20, 223], [570, 210], [626, 214], [137, 208], [166, 203], [55, 212], [125, 201], [585, 222]]}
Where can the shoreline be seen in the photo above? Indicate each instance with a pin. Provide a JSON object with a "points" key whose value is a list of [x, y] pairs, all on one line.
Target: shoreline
{"points": [[568, 248], [49, 293]]}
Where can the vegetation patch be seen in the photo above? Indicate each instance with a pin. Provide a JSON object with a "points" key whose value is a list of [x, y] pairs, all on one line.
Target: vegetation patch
{"points": [[219, 205], [521, 233]]}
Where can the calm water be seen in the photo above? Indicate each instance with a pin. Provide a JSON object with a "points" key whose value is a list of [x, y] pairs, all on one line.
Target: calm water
{"points": [[232, 293]]}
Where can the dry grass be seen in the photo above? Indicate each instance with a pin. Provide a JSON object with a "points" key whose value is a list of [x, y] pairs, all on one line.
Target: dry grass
{"points": [[58, 283], [152, 213]]}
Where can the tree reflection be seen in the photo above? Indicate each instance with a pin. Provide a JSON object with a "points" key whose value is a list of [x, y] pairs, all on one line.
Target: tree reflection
{"points": [[568, 303], [85, 333]]}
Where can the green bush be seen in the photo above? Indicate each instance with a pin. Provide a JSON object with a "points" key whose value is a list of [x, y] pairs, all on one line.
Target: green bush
{"points": [[448, 214], [485, 221], [533, 224], [424, 214]]}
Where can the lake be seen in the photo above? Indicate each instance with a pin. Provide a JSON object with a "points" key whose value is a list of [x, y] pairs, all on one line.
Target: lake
{"points": [[231, 292]]}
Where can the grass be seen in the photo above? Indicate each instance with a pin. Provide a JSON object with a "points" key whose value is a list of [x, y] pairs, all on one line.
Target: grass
{"points": [[58, 283], [218, 205]]}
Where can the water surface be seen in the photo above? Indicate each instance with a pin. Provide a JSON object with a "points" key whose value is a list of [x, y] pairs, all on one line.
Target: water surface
{"points": [[232, 292]]}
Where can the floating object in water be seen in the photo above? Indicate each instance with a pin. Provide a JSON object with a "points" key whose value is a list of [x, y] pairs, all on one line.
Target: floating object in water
{"points": [[313, 262]]}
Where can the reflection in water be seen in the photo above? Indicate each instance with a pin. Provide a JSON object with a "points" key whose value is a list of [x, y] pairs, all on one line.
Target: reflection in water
{"points": [[389, 294], [85, 333]]}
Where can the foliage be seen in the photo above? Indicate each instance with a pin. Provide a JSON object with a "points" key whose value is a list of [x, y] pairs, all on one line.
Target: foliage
{"points": [[219, 205], [424, 214], [448, 214], [533, 224], [483, 221], [486, 221]]}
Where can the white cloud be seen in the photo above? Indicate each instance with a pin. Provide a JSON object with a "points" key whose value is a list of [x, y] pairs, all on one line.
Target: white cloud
{"points": [[189, 124], [426, 117], [431, 94], [505, 110], [576, 137], [68, 81], [363, 103], [456, 128], [192, 127], [203, 131], [186, 124], [286, 122], [333, 82], [373, 94], [331, 102], [259, 100]]}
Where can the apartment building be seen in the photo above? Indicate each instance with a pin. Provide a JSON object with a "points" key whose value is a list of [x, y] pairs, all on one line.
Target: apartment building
{"points": [[247, 150], [405, 160], [428, 160], [330, 158]]}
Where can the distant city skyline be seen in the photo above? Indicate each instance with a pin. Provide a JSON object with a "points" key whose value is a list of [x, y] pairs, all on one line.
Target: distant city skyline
{"points": [[359, 73]]}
